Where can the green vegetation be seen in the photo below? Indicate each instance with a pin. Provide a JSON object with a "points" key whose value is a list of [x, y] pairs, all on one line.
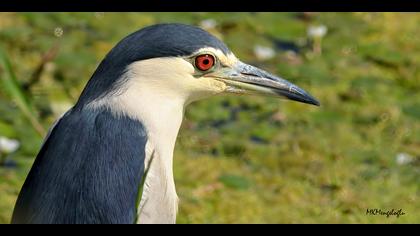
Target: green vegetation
{"points": [[246, 159]]}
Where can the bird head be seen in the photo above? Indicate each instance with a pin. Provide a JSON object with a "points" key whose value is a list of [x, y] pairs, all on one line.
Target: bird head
{"points": [[182, 61]]}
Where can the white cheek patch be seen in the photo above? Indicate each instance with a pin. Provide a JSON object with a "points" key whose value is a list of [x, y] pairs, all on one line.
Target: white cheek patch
{"points": [[174, 77]]}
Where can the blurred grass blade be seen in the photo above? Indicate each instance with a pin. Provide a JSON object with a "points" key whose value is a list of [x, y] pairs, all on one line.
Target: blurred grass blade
{"points": [[12, 87]]}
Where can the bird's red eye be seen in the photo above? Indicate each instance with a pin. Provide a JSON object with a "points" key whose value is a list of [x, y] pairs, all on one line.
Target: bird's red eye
{"points": [[204, 62]]}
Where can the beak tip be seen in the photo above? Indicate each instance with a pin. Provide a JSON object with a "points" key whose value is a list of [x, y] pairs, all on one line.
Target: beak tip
{"points": [[315, 102], [308, 98], [304, 97], [311, 101]]}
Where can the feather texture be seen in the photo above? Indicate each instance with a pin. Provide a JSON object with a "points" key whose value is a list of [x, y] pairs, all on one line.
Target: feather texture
{"points": [[88, 171]]}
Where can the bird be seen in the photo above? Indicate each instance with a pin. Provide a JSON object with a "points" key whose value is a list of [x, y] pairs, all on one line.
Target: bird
{"points": [[109, 158]]}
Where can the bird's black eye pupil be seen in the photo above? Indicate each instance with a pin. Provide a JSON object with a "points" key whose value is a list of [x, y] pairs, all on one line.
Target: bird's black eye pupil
{"points": [[206, 62]]}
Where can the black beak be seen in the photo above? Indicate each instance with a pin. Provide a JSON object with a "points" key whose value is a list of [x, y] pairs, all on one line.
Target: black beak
{"points": [[247, 79]]}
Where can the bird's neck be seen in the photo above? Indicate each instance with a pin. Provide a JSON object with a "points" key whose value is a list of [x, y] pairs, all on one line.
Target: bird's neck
{"points": [[161, 114], [159, 202]]}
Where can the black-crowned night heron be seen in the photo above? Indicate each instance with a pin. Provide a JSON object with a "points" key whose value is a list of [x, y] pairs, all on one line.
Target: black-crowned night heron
{"points": [[109, 158]]}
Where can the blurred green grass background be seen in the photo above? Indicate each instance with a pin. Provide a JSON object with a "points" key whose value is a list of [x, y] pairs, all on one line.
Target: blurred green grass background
{"points": [[246, 159]]}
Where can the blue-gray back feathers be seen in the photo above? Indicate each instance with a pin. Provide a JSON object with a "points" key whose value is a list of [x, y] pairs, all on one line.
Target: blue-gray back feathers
{"points": [[88, 171]]}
